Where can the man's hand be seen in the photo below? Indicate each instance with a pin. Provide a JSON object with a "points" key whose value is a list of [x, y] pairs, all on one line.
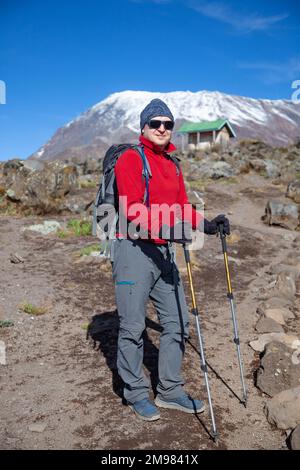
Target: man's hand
{"points": [[179, 233], [211, 227]]}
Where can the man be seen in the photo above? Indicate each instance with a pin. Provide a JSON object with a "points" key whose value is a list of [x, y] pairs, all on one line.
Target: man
{"points": [[144, 267]]}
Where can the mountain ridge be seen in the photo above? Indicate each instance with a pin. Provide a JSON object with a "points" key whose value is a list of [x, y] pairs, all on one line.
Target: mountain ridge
{"points": [[116, 119]]}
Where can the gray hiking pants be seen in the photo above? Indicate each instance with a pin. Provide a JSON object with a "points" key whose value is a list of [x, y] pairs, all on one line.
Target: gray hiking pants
{"points": [[143, 270]]}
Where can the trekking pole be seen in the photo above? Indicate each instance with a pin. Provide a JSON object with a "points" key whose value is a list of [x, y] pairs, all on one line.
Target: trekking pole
{"points": [[203, 362], [236, 338]]}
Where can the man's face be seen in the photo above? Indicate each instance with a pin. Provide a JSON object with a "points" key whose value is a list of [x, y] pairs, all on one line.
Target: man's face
{"points": [[160, 136]]}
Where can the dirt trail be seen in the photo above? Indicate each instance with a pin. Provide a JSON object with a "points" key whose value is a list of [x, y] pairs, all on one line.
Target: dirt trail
{"points": [[55, 377]]}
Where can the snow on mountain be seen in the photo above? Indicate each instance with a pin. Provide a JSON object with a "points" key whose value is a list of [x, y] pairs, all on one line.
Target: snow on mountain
{"points": [[116, 119]]}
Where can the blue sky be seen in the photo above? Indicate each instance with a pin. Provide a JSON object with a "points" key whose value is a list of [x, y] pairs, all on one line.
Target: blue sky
{"points": [[59, 57]]}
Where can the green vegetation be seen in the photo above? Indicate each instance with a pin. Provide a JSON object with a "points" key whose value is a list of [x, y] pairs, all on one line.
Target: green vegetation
{"points": [[88, 184], [6, 323], [7, 208], [62, 234], [200, 184], [87, 250], [77, 228], [229, 180], [33, 309], [80, 228]]}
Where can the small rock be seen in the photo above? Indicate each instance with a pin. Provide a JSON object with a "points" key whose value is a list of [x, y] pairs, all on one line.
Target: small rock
{"points": [[15, 258], [2, 353], [259, 236], [49, 226], [10, 193], [37, 427], [293, 191], [289, 237]]}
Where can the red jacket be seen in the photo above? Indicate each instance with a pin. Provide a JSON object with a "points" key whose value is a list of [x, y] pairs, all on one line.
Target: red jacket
{"points": [[165, 187]]}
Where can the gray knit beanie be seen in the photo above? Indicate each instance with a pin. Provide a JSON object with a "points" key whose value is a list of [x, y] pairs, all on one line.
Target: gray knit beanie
{"points": [[155, 108]]}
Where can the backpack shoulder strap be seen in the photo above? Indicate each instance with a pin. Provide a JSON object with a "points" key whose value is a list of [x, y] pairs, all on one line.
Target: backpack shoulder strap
{"points": [[146, 173], [146, 166], [176, 161]]}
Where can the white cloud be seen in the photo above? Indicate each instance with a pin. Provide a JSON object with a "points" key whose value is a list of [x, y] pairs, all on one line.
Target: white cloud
{"points": [[275, 72], [244, 23]]}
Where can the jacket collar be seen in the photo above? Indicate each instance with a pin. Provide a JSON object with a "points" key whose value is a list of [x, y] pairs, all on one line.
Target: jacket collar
{"points": [[147, 143]]}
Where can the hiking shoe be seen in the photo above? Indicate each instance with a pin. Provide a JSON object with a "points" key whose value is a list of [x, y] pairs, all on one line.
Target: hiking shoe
{"points": [[183, 403], [145, 409]]}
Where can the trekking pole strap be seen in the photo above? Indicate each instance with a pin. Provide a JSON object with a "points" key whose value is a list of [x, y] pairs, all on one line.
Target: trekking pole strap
{"points": [[223, 237]]}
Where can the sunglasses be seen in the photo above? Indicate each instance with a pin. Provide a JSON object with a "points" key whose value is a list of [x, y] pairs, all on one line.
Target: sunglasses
{"points": [[155, 124]]}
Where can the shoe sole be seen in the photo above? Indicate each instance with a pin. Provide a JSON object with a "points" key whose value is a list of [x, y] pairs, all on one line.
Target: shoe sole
{"points": [[175, 406], [145, 418]]}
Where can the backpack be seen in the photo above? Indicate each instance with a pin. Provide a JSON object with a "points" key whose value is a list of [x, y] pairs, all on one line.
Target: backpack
{"points": [[106, 201]]}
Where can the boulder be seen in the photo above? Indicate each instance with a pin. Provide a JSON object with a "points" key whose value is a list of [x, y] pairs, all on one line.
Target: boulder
{"points": [[268, 168], [285, 214], [267, 325], [277, 302], [215, 170], [285, 286], [34, 164], [293, 271], [44, 190], [279, 315], [260, 343], [277, 371], [283, 409], [78, 202], [272, 169], [295, 439]]}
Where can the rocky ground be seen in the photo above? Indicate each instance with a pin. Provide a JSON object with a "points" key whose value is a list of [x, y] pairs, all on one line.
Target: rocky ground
{"points": [[58, 391]]}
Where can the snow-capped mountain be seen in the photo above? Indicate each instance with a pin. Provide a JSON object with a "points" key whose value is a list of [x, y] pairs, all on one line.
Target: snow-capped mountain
{"points": [[116, 120]]}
